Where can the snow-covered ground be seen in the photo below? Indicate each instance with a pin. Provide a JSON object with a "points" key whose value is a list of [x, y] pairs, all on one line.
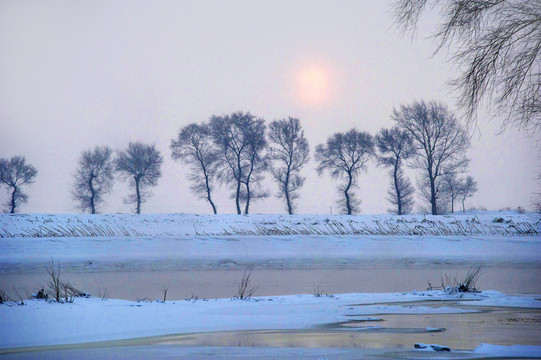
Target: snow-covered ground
{"points": [[102, 243], [185, 253], [491, 223], [185, 242], [40, 322]]}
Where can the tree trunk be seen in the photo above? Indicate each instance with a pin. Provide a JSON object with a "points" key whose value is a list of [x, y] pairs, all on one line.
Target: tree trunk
{"points": [[246, 208], [286, 193], [237, 199], [288, 201], [452, 204], [13, 198], [433, 195], [397, 189], [346, 190], [248, 192], [463, 208], [208, 194], [211, 203], [92, 196], [137, 196]]}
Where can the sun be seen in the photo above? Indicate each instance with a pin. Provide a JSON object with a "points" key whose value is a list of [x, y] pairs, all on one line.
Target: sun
{"points": [[313, 84]]}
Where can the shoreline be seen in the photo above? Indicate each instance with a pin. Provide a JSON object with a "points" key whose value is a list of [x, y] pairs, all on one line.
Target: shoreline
{"points": [[388, 323]]}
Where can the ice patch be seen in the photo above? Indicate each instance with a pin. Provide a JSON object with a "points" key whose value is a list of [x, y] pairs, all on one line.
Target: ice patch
{"points": [[526, 351]]}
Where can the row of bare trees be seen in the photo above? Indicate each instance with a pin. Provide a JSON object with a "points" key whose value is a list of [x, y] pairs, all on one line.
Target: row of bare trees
{"points": [[237, 150], [427, 135], [497, 45], [140, 164], [234, 150], [231, 149]]}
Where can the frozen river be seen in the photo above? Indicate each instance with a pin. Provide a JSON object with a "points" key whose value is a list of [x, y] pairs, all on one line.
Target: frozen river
{"points": [[388, 336], [375, 269], [210, 267], [215, 283]]}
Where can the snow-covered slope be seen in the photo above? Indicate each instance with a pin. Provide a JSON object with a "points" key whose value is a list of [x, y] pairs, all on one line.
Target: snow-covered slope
{"points": [[123, 225], [180, 241]]}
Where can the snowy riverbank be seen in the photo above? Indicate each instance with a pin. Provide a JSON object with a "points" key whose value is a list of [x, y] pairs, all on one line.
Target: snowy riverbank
{"points": [[476, 223], [184, 242], [40, 322], [147, 253]]}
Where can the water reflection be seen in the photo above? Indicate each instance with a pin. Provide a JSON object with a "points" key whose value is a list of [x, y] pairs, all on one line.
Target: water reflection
{"points": [[503, 326]]}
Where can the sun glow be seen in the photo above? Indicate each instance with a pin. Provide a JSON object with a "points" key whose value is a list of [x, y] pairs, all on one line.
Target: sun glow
{"points": [[313, 84]]}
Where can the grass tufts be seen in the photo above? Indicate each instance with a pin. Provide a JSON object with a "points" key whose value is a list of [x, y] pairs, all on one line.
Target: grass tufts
{"points": [[318, 292], [244, 290], [19, 296], [4, 297], [59, 290], [164, 291], [453, 284]]}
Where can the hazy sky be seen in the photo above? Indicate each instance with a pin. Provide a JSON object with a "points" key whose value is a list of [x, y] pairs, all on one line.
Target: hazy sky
{"points": [[75, 74]]}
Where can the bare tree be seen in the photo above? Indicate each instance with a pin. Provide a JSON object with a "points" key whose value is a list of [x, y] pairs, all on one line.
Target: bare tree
{"points": [[497, 44], [289, 151], [440, 142], [257, 164], [468, 188], [140, 164], [344, 156], [395, 145], [14, 173], [194, 147], [442, 197], [457, 189], [452, 186], [241, 141], [94, 178]]}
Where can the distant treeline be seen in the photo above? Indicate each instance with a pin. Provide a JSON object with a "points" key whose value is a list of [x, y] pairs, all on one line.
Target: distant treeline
{"points": [[239, 150]]}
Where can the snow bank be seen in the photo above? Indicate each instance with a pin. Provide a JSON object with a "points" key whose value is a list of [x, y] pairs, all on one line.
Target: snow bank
{"points": [[88, 320], [221, 252], [122, 225], [185, 242]]}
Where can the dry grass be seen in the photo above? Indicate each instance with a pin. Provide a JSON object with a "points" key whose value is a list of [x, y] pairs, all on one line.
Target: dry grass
{"points": [[81, 230], [454, 284], [54, 283], [19, 296], [244, 290], [397, 226], [164, 291], [103, 294], [318, 292], [4, 297], [59, 290]]}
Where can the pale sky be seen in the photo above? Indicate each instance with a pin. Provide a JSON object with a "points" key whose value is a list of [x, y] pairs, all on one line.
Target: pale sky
{"points": [[76, 74]]}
